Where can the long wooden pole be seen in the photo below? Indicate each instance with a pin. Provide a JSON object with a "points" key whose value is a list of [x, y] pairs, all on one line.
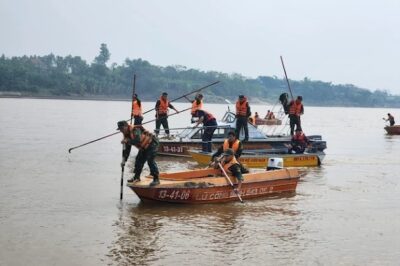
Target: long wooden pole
{"points": [[230, 182], [133, 94], [84, 144], [187, 94], [287, 80], [121, 192]]}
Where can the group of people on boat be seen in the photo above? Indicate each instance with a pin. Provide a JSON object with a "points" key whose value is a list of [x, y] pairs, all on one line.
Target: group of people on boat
{"points": [[147, 143]]}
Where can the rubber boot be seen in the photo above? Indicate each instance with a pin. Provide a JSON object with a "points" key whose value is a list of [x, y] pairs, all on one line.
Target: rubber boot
{"points": [[155, 182], [209, 146]]}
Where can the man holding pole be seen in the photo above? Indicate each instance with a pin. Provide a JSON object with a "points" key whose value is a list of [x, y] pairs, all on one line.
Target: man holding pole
{"points": [[162, 106], [137, 113], [296, 109], [231, 167], [146, 143], [242, 116]]}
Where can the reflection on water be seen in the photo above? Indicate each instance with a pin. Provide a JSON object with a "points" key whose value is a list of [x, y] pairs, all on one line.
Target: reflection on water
{"points": [[148, 232]]}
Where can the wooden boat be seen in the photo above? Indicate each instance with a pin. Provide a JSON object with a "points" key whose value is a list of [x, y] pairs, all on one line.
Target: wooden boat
{"points": [[268, 122], [209, 186], [393, 130], [260, 159], [190, 138]]}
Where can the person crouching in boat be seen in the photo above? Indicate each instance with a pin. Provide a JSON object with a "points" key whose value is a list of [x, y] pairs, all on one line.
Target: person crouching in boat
{"points": [[232, 166], [390, 119], [146, 143], [210, 125], [232, 142], [299, 142]]}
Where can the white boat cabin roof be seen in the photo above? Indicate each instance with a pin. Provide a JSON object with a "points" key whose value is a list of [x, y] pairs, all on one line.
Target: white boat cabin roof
{"points": [[225, 125]]}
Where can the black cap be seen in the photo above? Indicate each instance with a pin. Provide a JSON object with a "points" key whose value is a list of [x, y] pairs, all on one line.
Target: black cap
{"points": [[231, 133], [300, 98], [200, 95], [164, 93], [121, 124], [241, 96], [229, 152]]}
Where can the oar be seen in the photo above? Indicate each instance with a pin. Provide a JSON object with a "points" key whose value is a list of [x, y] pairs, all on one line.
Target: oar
{"points": [[230, 182], [287, 80], [187, 94], [84, 144]]}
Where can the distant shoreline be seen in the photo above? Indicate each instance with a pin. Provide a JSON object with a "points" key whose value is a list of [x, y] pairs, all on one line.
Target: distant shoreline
{"points": [[215, 101]]}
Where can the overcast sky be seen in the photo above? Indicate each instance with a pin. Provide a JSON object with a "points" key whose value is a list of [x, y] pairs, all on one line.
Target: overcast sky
{"points": [[340, 41]]}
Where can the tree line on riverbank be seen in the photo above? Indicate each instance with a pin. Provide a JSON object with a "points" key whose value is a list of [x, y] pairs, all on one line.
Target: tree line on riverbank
{"points": [[71, 76]]}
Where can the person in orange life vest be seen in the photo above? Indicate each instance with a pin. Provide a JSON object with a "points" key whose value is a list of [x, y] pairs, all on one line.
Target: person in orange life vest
{"points": [[146, 143], [299, 142], [267, 116], [137, 110], [162, 106], [210, 125], [231, 167], [242, 114], [390, 119], [230, 143], [197, 104], [296, 109], [271, 115]]}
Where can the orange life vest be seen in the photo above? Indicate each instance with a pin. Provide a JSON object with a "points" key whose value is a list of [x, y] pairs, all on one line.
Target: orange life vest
{"points": [[145, 137], [163, 108], [295, 108], [229, 164], [234, 146], [196, 106], [136, 109], [241, 108]]}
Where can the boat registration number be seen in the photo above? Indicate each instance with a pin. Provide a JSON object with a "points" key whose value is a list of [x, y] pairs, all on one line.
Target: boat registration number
{"points": [[174, 194], [174, 149]]}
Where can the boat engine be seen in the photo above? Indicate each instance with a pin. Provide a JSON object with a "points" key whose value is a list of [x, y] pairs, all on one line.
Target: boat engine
{"points": [[274, 164]]}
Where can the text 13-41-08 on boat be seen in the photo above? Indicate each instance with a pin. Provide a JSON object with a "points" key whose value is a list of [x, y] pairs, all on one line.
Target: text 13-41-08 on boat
{"points": [[210, 186]]}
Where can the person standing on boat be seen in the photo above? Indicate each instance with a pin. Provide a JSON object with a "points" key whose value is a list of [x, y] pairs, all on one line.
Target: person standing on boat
{"points": [[197, 104], [209, 124], [299, 142], [242, 116], [390, 119], [146, 143], [162, 106], [230, 143], [232, 167], [296, 109], [137, 113]]}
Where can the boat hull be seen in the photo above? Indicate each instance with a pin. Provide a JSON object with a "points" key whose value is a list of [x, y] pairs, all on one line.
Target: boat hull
{"points": [[261, 161], [393, 130], [181, 148], [217, 189]]}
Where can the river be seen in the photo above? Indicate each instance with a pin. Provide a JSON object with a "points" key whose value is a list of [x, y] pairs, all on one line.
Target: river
{"points": [[58, 208]]}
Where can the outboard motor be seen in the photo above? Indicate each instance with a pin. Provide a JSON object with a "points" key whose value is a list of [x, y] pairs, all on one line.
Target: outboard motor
{"points": [[274, 164]]}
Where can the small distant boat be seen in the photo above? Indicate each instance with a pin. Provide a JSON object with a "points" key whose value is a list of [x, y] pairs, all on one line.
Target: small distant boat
{"points": [[259, 159], [393, 130], [268, 122], [210, 186]]}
